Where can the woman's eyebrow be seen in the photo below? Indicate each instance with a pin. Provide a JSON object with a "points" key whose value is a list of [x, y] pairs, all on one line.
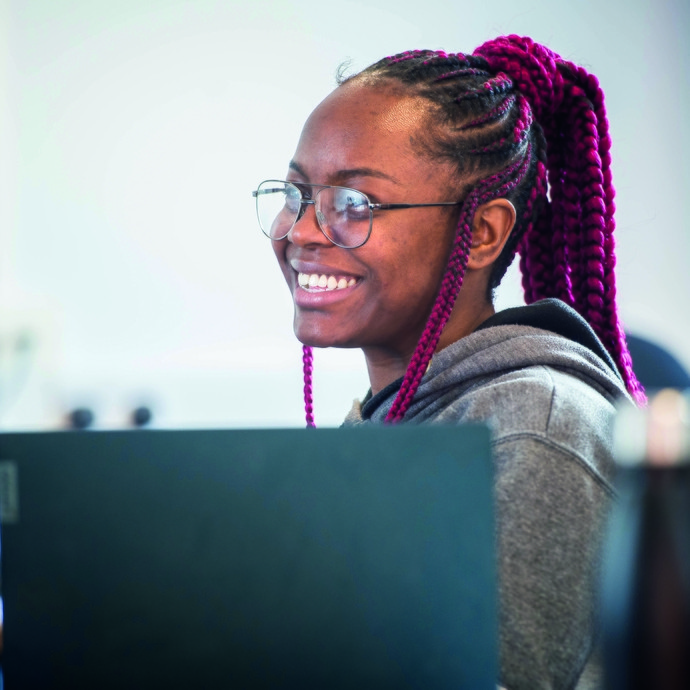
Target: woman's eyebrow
{"points": [[298, 169], [366, 172], [348, 173]]}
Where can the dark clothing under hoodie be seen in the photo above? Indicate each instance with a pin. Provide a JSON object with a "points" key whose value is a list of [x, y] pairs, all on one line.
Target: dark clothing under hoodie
{"points": [[541, 379]]}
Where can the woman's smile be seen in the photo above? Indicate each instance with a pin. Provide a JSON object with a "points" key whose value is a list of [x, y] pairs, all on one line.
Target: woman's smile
{"points": [[314, 288], [314, 282]]}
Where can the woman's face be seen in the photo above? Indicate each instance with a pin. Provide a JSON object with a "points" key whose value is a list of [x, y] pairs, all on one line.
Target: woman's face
{"points": [[361, 137]]}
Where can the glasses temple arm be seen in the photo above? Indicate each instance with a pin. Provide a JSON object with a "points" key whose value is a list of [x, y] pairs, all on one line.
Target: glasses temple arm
{"points": [[385, 207]]}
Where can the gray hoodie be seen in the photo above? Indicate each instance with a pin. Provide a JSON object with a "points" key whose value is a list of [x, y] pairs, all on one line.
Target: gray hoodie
{"points": [[548, 394]]}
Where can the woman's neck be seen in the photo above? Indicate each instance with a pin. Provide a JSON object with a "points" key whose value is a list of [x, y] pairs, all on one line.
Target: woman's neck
{"points": [[385, 366]]}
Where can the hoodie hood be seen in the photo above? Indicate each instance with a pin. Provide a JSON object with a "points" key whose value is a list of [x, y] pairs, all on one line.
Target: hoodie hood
{"points": [[507, 343]]}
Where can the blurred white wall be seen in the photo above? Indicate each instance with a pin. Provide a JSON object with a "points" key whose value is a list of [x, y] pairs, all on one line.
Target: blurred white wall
{"points": [[132, 133]]}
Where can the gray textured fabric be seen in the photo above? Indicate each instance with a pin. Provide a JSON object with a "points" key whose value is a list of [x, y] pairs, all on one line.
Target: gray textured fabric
{"points": [[550, 403]]}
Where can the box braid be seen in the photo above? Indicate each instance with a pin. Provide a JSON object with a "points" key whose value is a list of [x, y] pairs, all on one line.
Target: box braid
{"points": [[519, 122], [307, 368]]}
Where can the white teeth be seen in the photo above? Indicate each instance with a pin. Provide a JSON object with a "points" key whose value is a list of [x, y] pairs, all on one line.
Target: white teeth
{"points": [[324, 282]]}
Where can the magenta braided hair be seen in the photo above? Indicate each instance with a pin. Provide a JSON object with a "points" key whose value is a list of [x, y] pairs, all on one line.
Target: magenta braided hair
{"points": [[568, 103], [520, 122], [308, 368]]}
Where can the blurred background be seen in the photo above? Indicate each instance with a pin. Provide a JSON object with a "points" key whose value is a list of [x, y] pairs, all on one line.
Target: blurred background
{"points": [[132, 269]]}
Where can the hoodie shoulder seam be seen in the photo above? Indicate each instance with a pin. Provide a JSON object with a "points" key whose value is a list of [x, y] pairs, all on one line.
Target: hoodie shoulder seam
{"points": [[567, 452]]}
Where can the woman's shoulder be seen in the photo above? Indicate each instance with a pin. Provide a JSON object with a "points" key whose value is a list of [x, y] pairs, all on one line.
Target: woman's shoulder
{"points": [[541, 398], [540, 411]]}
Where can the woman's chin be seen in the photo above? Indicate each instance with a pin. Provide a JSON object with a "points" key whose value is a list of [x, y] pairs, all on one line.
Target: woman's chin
{"points": [[319, 337], [312, 340]]}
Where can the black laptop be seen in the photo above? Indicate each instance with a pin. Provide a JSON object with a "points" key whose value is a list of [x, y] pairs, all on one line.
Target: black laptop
{"points": [[328, 558]]}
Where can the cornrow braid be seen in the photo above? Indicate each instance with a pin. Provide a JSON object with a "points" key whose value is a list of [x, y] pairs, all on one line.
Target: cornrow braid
{"points": [[519, 122], [464, 72], [495, 114]]}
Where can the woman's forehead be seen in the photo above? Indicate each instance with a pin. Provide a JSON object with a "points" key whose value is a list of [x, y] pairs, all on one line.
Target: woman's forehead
{"points": [[380, 106], [359, 125]]}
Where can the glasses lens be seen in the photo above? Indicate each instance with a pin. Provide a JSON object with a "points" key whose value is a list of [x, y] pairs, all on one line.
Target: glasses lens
{"points": [[344, 216], [277, 207]]}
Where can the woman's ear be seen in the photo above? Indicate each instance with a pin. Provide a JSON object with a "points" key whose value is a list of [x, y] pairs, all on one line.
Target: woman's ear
{"points": [[492, 225]]}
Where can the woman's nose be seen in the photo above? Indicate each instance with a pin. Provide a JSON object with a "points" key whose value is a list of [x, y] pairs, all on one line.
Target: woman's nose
{"points": [[306, 230]]}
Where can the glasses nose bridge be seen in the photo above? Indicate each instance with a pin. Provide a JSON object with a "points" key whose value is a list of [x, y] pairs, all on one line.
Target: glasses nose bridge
{"points": [[320, 218], [303, 203], [300, 234]]}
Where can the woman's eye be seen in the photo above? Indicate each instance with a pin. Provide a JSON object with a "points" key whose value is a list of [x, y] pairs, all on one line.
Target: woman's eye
{"points": [[355, 205], [293, 198], [359, 213]]}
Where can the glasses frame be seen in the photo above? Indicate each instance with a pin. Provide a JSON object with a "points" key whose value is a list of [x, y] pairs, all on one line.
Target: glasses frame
{"points": [[304, 202]]}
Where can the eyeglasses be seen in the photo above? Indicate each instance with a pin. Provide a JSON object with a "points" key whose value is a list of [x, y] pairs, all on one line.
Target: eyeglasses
{"points": [[344, 215]]}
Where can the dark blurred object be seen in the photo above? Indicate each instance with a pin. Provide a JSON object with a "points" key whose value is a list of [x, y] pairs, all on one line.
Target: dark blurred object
{"points": [[646, 577], [655, 367], [141, 416], [80, 418]]}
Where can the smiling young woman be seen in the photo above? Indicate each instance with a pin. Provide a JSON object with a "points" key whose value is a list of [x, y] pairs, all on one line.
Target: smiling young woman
{"points": [[413, 186]]}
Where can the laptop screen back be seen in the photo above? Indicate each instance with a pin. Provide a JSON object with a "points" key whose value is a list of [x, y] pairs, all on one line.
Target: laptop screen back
{"points": [[260, 558]]}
